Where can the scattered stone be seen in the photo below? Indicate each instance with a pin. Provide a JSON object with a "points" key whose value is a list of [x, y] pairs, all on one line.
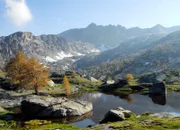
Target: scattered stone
{"points": [[75, 89], [93, 79], [163, 114], [107, 128], [138, 116], [37, 106], [118, 114], [1, 125]]}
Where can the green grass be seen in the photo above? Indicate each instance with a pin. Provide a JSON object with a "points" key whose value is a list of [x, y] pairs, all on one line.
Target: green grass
{"points": [[53, 126], [89, 89], [133, 82], [173, 87], [36, 125], [7, 125], [144, 122], [86, 85], [48, 125]]}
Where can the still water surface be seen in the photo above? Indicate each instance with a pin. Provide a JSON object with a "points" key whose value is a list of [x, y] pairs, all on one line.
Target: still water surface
{"points": [[137, 103]]}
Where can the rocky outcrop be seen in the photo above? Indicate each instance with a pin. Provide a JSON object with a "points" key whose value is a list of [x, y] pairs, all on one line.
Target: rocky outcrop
{"points": [[9, 101], [36, 106], [158, 88], [4, 95], [118, 114]]}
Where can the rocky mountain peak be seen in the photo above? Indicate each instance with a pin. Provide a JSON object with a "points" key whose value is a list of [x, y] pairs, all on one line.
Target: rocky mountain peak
{"points": [[158, 28], [91, 25], [24, 35]]}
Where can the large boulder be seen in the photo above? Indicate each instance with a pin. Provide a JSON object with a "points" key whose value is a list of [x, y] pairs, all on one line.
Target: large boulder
{"points": [[4, 95], [118, 114], [37, 106], [9, 101], [158, 88], [93, 79]]}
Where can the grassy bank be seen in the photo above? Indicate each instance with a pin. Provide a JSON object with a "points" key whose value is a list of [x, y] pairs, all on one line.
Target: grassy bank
{"points": [[141, 122]]}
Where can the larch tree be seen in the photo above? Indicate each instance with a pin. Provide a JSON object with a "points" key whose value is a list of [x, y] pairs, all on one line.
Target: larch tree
{"points": [[37, 74], [27, 72], [66, 85], [129, 77], [15, 69]]}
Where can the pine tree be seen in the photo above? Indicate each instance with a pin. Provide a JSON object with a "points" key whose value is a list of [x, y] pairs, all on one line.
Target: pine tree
{"points": [[66, 85], [27, 72]]}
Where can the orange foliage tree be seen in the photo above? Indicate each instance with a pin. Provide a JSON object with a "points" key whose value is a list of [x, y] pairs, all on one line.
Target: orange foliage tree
{"points": [[129, 77], [27, 72], [15, 69], [66, 85]]}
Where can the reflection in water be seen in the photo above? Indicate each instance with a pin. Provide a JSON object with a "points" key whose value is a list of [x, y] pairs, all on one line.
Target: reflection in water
{"points": [[158, 99], [137, 103], [130, 100]]}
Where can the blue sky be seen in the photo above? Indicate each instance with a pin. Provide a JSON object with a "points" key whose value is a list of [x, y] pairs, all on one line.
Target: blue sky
{"points": [[55, 16]]}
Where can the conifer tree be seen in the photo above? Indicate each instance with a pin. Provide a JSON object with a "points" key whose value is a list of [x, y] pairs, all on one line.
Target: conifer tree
{"points": [[66, 85], [37, 74], [15, 69], [27, 72], [129, 77]]}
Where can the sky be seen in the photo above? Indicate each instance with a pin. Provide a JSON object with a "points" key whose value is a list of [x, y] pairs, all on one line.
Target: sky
{"points": [[55, 16]]}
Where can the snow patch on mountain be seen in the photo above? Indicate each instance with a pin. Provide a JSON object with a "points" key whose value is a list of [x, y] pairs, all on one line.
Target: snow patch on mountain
{"points": [[95, 50], [49, 59]]}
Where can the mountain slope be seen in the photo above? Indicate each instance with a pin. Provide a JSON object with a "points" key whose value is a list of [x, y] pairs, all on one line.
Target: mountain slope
{"points": [[124, 50], [47, 48], [105, 37], [162, 54]]}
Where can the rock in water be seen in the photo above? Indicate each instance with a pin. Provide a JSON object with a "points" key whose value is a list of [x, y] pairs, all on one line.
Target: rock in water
{"points": [[37, 106], [118, 114], [158, 88]]}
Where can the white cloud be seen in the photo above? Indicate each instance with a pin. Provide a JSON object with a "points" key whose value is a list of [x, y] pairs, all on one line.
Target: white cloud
{"points": [[18, 12]]}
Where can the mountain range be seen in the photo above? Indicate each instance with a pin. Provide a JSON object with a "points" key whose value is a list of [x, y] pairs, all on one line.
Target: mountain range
{"points": [[110, 36], [133, 50], [154, 54]]}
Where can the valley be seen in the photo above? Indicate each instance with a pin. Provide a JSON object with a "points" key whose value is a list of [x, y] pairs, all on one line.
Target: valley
{"points": [[137, 76]]}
